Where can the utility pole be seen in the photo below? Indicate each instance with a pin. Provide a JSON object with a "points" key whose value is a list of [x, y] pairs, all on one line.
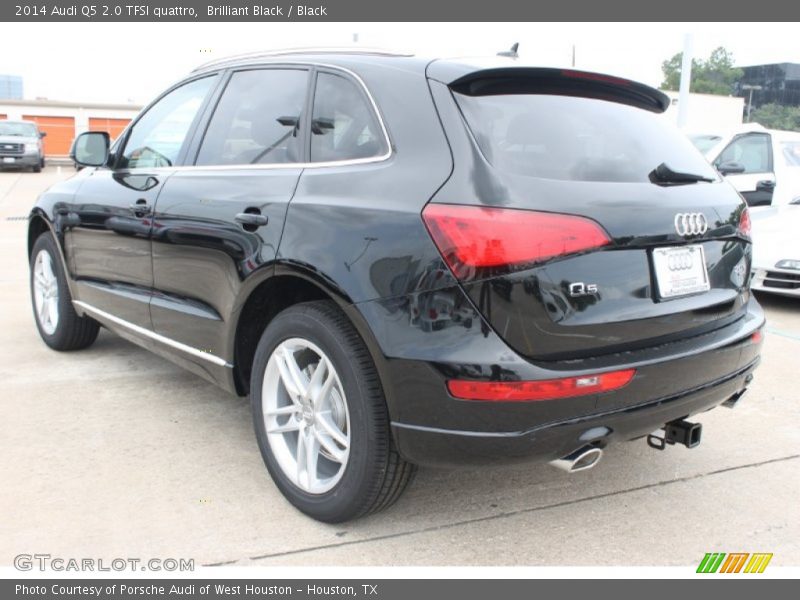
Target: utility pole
{"points": [[573, 56], [686, 81], [747, 86]]}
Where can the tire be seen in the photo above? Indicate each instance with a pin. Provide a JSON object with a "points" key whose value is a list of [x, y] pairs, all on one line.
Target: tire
{"points": [[37, 169], [357, 471], [59, 325]]}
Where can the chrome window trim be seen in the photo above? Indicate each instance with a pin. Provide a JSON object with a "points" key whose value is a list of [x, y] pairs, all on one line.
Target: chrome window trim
{"points": [[221, 362], [300, 165]]}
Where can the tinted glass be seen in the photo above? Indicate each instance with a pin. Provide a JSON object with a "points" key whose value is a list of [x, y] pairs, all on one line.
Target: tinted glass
{"points": [[577, 139], [157, 137], [257, 119], [704, 143], [343, 125], [751, 151]]}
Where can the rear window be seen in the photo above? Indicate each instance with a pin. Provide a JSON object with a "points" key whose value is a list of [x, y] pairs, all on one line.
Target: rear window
{"points": [[704, 143], [791, 153], [577, 139]]}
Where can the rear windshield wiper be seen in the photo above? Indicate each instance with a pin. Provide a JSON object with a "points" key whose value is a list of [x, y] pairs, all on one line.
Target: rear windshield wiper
{"points": [[663, 175]]}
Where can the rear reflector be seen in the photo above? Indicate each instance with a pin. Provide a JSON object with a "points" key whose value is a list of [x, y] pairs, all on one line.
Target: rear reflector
{"points": [[548, 389], [471, 237], [757, 337], [744, 223]]}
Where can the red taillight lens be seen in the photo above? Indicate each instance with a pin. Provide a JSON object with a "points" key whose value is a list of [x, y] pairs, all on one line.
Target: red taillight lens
{"points": [[744, 223], [548, 389], [471, 237], [757, 337]]}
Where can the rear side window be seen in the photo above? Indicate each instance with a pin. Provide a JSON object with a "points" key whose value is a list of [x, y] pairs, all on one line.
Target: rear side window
{"points": [[343, 125], [752, 151], [257, 120], [576, 139]]}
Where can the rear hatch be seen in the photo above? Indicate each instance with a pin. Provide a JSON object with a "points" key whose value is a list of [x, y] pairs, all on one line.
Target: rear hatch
{"points": [[579, 220]]}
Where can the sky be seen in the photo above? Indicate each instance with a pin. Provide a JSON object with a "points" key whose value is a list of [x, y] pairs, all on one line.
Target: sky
{"points": [[133, 62]]}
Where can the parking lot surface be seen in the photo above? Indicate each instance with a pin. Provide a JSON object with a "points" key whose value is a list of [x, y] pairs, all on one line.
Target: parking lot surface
{"points": [[114, 452]]}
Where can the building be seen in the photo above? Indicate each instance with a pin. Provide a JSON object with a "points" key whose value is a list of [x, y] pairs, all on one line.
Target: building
{"points": [[62, 121], [11, 86], [779, 83], [708, 112]]}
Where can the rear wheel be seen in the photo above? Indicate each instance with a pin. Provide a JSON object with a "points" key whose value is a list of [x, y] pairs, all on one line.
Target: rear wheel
{"points": [[320, 416], [59, 325]]}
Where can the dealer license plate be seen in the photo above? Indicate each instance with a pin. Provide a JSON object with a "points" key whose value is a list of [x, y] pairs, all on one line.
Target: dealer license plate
{"points": [[680, 271]]}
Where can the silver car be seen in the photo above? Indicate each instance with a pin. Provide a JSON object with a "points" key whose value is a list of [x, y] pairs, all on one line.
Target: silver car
{"points": [[21, 145]]}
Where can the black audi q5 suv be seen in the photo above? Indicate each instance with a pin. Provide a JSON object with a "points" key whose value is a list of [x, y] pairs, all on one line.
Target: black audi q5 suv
{"points": [[405, 261]]}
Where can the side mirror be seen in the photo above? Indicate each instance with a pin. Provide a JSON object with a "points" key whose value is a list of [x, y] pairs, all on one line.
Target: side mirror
{"points": [[730, 167], [90, 149], [42, 134]]}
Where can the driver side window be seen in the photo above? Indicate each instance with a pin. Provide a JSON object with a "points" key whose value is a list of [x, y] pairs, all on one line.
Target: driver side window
{"points": [[157, 137]]}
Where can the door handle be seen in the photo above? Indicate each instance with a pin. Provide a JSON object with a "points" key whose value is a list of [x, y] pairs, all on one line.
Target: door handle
{"points": [[251, 219], [140, 207], [766, 184]]}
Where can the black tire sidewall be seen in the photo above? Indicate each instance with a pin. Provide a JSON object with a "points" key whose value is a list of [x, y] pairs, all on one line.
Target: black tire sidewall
{"points": [[356, 490]]}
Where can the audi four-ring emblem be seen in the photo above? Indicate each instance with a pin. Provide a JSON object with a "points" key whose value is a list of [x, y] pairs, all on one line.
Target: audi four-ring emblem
{"points": [[680, 262], [687, 224]]}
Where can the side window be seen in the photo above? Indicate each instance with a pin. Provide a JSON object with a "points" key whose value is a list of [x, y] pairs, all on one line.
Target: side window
{"points": [[751, 151], [157, 137], [343, 125], [257, 119]]}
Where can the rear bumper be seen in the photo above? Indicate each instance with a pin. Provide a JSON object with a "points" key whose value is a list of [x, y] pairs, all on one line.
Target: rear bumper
{"points": [[430, 427], [441, 447]]}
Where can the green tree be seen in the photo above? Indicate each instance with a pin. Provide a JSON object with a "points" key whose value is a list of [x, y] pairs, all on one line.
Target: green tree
{"points": [[775, 116], [716, 75]]}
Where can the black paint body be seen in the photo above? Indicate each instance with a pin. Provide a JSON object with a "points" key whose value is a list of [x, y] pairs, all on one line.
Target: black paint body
{"points": [[179, 266]]}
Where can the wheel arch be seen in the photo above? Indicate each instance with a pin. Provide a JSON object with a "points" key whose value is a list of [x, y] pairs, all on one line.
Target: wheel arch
{"points": [[290, 284]]}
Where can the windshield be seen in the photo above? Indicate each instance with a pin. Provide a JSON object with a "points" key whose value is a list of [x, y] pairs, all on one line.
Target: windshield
{"points": [[704, 143], [18, 129], [791, 153], [577, 139]]}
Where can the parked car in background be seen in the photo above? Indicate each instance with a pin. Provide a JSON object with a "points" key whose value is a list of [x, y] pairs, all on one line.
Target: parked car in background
{"points": [[405, 261], [764, 166], [21, 145]]}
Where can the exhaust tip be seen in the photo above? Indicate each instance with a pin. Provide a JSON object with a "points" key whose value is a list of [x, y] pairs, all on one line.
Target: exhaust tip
{"points": [[581, 459]]}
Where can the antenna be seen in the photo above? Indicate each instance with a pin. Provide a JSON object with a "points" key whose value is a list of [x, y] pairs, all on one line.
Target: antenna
{"points": [[510, 53]]}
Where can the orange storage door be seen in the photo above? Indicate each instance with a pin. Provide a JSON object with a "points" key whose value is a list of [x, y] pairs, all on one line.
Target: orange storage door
{"points": [[60, 133], [113, 126]]}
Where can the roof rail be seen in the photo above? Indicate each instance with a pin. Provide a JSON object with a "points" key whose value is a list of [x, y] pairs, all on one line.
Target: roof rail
{"points": [[289, 51]]}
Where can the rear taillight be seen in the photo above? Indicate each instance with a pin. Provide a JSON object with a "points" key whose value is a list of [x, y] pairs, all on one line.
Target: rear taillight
{"points": [[744, 223], [548, 389], [475, 237]]}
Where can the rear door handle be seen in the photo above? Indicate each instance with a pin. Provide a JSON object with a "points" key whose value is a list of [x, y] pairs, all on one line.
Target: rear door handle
{"points": [[252, 219]]}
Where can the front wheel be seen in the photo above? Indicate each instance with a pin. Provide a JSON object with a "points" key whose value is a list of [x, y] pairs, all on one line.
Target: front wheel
{"points": [[59, 325], [320, 416]]}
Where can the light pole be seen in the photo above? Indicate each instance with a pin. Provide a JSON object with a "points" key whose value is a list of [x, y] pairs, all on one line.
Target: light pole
{"points": [[747, 86]]}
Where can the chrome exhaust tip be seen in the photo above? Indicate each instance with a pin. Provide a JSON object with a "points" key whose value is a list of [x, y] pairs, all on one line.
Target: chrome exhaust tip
{"points": [[581, 459]]}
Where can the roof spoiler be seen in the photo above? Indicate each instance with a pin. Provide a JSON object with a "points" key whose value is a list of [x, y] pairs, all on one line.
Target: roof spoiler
{"points": [[560, 82]]}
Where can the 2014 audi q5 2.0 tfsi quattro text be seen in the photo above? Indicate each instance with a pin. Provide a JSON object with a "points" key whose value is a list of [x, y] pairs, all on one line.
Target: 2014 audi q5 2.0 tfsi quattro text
{"points": [[410, 262]]}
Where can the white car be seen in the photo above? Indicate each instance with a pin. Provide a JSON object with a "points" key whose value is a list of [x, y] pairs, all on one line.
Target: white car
{"points": [[764, 166]]}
